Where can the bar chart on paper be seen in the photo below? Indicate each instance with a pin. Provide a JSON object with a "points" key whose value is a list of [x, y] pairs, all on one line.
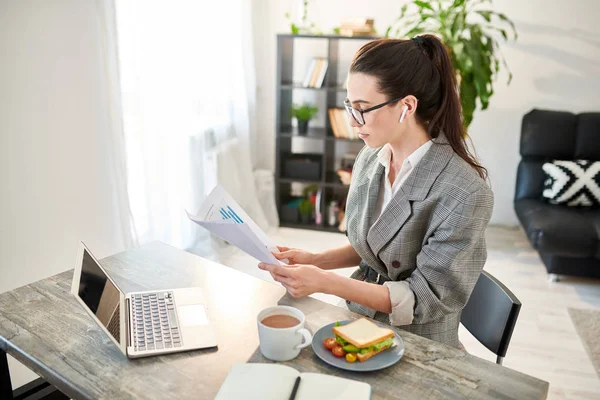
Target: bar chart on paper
{"points": [[228, 213], [222, 216]]}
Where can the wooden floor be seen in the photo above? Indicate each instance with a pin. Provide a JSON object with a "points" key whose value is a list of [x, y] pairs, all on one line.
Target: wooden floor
{"points": [[545, 343]]}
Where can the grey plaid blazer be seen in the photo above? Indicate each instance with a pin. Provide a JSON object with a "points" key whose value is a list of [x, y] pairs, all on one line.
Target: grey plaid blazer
{"points": [[430, 235]]}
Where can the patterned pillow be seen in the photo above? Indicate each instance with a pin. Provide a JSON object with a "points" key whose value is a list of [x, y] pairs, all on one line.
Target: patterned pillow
{"points": [[572, 183]]}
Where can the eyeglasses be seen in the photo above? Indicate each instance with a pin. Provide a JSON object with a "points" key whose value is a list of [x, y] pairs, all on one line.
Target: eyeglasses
{"points": [[358, 115]]}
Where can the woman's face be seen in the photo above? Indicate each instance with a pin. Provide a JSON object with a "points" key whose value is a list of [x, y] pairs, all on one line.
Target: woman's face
{"points": [[381, 125]]}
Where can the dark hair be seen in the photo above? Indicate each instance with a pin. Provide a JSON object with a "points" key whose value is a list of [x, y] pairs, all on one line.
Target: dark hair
{"points": [[420, 67]]}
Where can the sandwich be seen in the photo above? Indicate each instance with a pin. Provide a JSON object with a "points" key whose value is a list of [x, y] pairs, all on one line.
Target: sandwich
{"points": [[363, 338]]}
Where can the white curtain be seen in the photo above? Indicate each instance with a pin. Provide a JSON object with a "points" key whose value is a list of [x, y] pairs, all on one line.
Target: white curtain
{"points": [[188, 94]]}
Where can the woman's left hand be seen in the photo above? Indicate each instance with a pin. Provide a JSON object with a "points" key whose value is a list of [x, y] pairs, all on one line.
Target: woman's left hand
{"points": [[299, 280]]}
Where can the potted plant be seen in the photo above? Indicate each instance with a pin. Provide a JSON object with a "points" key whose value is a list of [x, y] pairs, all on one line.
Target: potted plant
{"points": [[303, 114], [302, 28], [306, 209], [466, 27]]}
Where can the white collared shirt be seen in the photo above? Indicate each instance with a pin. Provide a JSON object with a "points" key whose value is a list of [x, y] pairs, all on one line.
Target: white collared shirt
{"points": [[402, 297], [387, 190]]}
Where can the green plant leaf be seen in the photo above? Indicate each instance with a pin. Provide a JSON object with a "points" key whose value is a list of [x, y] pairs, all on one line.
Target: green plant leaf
{"points": [[477, 2], [505, 19], [472, 46], [487, 15], [468, 98], [482, 73], [294, 29], [423, 4], [495, 28], [403, 11], [413, 31], [304, 112]]}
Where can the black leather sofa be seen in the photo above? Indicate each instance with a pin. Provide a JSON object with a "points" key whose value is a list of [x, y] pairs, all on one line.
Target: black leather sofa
{"points": [[567, 238]]}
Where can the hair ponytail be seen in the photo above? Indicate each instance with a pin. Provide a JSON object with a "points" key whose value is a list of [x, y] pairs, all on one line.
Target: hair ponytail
{"points": [[420, 67]]}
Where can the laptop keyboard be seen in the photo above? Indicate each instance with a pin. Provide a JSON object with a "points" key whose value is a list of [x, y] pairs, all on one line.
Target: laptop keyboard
{"points": [[114, 325], [154, 322]]}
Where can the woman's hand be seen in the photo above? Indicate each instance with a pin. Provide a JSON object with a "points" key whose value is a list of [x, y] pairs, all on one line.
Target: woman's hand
{"points": [[295, 256], [299, 280]]}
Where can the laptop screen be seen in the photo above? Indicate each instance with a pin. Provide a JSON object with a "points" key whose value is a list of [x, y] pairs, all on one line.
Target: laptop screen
{"points": [[100, 295]]}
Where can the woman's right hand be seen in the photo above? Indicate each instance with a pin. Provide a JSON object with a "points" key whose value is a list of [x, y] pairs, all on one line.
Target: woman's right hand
{"points": [[296, 256]]}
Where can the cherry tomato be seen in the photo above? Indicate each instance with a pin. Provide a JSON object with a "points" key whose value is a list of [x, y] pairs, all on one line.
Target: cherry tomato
{"points": [[329, 343], [338, 351], [350, 357]]}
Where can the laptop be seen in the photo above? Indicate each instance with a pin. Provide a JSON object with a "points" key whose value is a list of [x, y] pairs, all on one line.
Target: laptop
{"points": [[144, 323]]}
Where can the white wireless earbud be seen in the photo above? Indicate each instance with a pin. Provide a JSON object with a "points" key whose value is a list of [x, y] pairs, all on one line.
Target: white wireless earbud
{"points": [[404, 110]]}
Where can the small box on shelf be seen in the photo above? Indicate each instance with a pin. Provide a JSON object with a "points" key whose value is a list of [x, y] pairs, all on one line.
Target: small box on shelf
{"points": [[290, 212], [305, 166]]}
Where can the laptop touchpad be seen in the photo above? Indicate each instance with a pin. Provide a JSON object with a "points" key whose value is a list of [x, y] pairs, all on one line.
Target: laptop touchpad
{"points": [[192, 315]]}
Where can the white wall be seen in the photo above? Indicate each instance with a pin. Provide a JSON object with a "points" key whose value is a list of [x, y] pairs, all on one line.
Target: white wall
{"points": [[55, 179], [555, 64]]}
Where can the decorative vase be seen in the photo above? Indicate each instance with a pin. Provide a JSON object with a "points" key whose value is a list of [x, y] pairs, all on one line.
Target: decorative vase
{"points": [[305, 218], [302, 127]]}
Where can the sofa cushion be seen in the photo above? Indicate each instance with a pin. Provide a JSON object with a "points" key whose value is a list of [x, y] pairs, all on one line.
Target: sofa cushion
{"points": [[548, 134], [560, 230], [588, 135], [572, 183]]}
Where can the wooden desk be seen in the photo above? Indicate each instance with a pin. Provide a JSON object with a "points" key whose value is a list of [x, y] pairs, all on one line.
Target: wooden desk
{"points": [[42, 326]]}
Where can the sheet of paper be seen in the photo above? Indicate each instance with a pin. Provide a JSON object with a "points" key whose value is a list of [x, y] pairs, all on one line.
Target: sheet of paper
{"points": [[240, 236], [222, 216], [219, 205]]}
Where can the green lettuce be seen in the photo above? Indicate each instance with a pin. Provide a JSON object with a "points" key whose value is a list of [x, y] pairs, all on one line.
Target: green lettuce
{"points": [[340, 340], [350, 348], [380, 345]]}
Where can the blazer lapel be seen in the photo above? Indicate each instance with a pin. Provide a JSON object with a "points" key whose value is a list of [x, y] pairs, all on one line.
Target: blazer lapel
{"points": [[415, 188], [368, 193]]}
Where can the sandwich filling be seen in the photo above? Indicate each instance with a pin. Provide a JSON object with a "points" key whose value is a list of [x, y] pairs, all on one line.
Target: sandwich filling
{"points": [[350, 348]]}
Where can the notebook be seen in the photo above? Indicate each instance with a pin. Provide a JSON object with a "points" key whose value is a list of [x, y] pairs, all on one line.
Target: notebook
{"points": [[276, 382]]}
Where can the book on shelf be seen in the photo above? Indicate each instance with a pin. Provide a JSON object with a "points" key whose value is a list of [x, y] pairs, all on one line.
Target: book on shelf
{"points": [[309, 72], [322, 72], [357, 27], [334, 126], [352, 133], [358, 22], [315, 75], [340, 124]]}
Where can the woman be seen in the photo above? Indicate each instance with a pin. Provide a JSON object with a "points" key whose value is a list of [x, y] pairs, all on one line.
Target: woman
{"points": [[418, 203]]}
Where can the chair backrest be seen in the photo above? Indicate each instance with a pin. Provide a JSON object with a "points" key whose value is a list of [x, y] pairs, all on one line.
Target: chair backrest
{"points": [[553, 135], [491, 314]]}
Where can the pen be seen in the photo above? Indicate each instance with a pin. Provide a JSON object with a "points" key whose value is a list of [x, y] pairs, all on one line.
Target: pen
{"points": [[296, 384]]}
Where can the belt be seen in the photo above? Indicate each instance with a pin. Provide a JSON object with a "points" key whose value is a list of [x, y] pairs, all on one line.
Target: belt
{"points": [[375, 276]]}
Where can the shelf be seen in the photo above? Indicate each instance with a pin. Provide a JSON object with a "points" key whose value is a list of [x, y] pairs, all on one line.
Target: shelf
{"points": [[332, 181], [291, 86], [318, 133], [289, 35], [313, 227], [319, 142], [294, 180]]}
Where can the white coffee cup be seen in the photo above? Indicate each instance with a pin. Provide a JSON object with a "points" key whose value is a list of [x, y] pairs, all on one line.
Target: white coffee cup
{"points": [[282, 344]]}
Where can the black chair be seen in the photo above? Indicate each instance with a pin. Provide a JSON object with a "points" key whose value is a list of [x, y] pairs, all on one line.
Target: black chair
{"points": [[491, 314], [567, 238]]}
